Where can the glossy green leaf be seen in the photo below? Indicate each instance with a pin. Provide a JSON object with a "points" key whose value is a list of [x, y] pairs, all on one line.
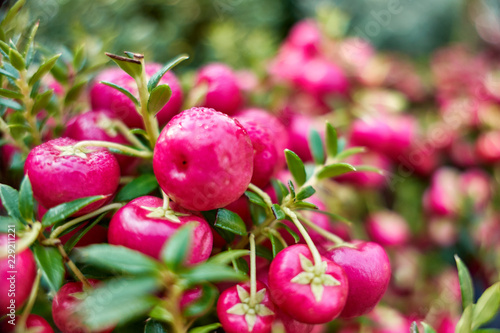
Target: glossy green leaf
{"points": [[155, 79], [122, 90], [140, 186], [65, 210], [8, 222], [331, 140], [11, 104], [280, 189], [154, 326], [71, 243], [276, 244], [74, 92], [263, 252], [291, 188], [278, 212], [305, 193], [203, 304], [8, 74], [296, 167], [205, 329], [349, 152], [209, 272], [334, 170], [43, 69], [50, 261], [17, 60], [10, 94], [10, 200], [226, 257], [256, 199], [26, 43], [304, 204], [42, 100], [117, 259], [158, 98], [230, 221], [316, 147], [466, 286], [487, 306], [132, 67], [175, 250], [26, 201], [295, 236]]}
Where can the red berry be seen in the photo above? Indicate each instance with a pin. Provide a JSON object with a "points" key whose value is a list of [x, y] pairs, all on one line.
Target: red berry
{"points": [[238, 315], [308, 293], [285, 323], [388, 228], [60, 173], [203, 159], [223, 93], [488, 147], [368, 270], [118, 105], [64, 309], [16, 277], [143, 225], [96, 125]]}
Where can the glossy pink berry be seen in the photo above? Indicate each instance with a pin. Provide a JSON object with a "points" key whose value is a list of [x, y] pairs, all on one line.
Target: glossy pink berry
{"points": [[238, 314], [368, 270], [488, 147], [321, 78], [305, 36], [223, 93], [388, 228], [97, 125], [60, 173], [143, 225], [320, 290], [203, 159], [64, 307], [118, 105], [15, 281], [442, 197]]}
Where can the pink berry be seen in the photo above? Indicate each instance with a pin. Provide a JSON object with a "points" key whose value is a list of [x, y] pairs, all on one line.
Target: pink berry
{"points": [[203, 159], [368, 271], [143, 225], [60, 173], [34, 323], [475, 184], [305, 36], [118, 105], [237, 314], [223, 93], [25, 268], [442, 197], [64, 309], [265, 155], [273, 125], [388, 320], [388, 228], [96, 125], [285, 323], [488, 147], [321, 78], [321, 291]]}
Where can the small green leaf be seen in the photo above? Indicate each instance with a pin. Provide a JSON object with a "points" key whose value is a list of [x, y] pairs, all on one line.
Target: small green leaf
{"points": [[71, 243], [209, 272], [295, 236], [230, 221], [334, 170], [26, 199], [305, 193], [158, 98], [117, 259], [226, 257], [278, 212], [74, 92], [296, 167], [263, 252], [10, 94], [42, 100], [203, 304], [62, 211], [275, 244], [280, 189], [349, 152], [240, 265], [6, 223], [304, 204], [153, 326], [132, 67], [487, 306], [465, 322], [11, 104], [206, 328], [331, 140], [43, 69], [24, 47], [79, 58], [427, 328], [466, 287], [50, 261], [316, 147], [369, 168], [291, 187], [12, 13], [10, 200], [155, 79], [8, 74], [140, 186], [122, 90], [256, 199], [17, 60], [175, 250]]}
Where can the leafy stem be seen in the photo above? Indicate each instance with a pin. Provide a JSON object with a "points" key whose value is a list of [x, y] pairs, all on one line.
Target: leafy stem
{"points": [[28, 102], [121, 148], [150, 122]]}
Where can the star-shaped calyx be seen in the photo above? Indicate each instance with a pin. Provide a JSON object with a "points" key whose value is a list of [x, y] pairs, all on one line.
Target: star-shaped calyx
{"points": [[73, 151], [250, 311], [315, 275], [162, 213]]}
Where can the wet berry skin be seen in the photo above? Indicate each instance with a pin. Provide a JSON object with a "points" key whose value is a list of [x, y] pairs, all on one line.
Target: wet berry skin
{"points": [[203, 159]]}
